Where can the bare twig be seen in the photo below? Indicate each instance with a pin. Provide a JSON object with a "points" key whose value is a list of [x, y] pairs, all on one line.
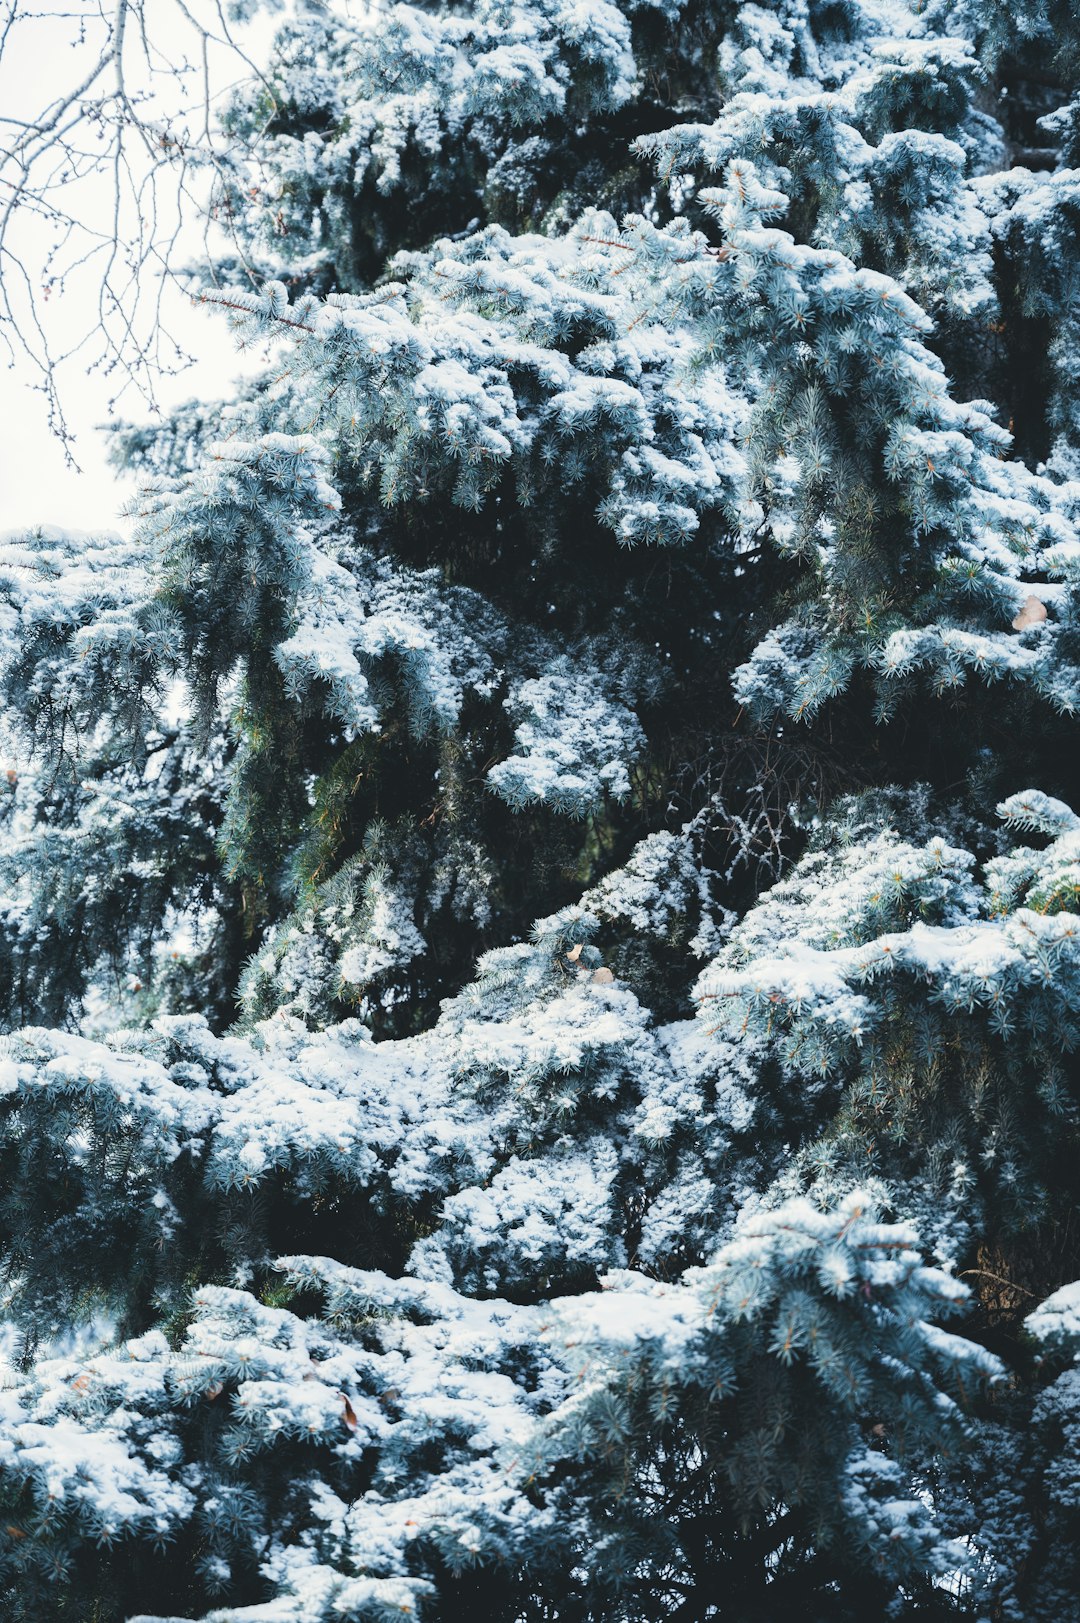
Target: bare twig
{"points": [[107, 178]]}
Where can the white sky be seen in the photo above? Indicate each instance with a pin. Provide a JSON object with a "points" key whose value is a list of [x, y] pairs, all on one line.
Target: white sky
{"points": [[36, 485], [44, 57]]}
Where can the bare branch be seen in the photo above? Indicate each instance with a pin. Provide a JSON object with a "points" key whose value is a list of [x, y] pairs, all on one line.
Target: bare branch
{"points": [[111, 179]]}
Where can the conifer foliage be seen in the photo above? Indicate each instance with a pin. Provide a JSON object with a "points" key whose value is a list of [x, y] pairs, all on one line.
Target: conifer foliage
{"points": [[540, 899]]}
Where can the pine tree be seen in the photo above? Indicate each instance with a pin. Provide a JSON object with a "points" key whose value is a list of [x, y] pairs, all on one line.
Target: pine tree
{"points": [[540, 901]]}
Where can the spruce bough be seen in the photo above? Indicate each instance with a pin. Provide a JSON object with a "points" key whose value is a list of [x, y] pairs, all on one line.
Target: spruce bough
{"points": [[540, 902]]}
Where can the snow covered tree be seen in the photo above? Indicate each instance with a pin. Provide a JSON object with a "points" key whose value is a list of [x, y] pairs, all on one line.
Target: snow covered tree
{"points": [[540, 902]]}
